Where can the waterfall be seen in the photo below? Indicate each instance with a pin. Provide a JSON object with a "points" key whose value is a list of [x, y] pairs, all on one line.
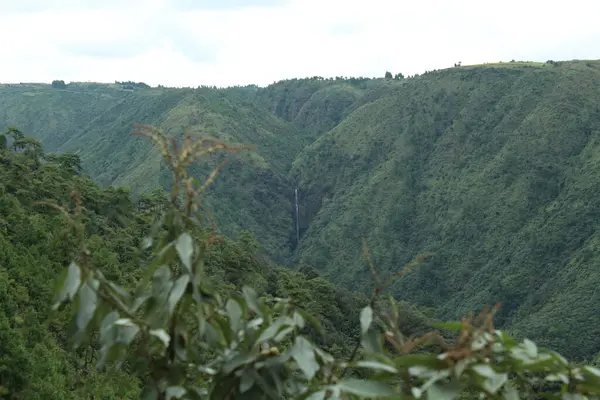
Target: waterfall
{"points": [[297, 219]]}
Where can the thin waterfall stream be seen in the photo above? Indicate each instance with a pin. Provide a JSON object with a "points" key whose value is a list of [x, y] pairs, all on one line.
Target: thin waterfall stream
{"points": [[297, 219]]}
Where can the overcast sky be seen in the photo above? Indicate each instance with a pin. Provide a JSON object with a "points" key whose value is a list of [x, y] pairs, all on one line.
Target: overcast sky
{"points": [[229, 42]]}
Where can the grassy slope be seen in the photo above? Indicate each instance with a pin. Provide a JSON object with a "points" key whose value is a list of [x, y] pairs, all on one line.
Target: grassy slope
{"points": [[493, 169]]}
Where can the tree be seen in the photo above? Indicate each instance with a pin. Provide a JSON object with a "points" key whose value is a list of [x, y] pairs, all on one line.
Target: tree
{"points": [[399, 76], [68, 161], [388, 75], [59, 84]]}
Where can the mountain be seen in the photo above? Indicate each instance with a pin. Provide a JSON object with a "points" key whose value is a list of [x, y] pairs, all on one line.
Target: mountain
{"points": [[490, 170]]}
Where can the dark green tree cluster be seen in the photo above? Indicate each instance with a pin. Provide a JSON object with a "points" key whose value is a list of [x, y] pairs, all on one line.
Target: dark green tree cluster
{"points": [[133, 85], [59, 84], [396, 77]]}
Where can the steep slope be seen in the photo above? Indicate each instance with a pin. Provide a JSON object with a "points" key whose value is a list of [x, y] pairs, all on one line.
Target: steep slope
{"points": [[55, 115], [493, 169], [252, 192]]}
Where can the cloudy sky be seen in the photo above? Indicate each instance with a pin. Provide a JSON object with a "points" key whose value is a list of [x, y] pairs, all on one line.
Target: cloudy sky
{"points": [[229, 42]]}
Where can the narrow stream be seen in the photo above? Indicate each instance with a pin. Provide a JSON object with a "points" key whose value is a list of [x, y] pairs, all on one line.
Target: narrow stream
{"points": [[297, 219]]}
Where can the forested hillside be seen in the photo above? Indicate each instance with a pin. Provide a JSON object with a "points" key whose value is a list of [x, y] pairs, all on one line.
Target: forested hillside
{"points": [[36, 242], [495, 170], [490, 170]]}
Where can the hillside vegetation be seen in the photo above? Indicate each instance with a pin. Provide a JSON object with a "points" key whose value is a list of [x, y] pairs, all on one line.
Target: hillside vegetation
{"points": [[154, 295], [37, 241], [495, 170], [491, 170]]}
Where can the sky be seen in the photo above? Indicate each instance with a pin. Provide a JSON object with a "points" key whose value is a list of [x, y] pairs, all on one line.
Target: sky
{"points": [[240, 42]]}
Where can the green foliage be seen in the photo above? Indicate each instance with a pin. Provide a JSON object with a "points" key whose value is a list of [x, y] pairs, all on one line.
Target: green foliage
{"points": [[175, 331], [36, 358], [34, 361]]}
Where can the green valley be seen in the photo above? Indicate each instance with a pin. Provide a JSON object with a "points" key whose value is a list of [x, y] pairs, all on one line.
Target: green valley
{"points": [[489, 174]]}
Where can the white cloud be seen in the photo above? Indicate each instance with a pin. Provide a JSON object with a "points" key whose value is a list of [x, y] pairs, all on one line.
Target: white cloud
{"points": [[226, 42]]}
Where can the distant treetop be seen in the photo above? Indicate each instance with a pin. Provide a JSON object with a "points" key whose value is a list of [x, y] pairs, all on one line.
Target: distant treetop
{"points": [[59, 84]]}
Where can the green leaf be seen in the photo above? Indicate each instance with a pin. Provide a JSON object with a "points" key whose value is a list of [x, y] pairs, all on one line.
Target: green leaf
{"points": [[363, 388], [177, 291], [246, 382], [122, 292], [162, 283], [255, 323], [237, 361], [298, 320], [162, 335], [270, 331], [185, 249], [592, 370], [70, 281], [252, 299], [127, 330], [283, 334], [139, 301], [174, 392], [484, 370], [304, 354], [377, 366], [107, 326], [366, 318], [573, 396], [60, 289], [494, 379], [461, 365], [149, 393], [530, 348], [146, 242], [372, 342], [510, 392], [439, 391], [326, 357], [320, 395], [87, 306], [558, 377], [234, 311]]}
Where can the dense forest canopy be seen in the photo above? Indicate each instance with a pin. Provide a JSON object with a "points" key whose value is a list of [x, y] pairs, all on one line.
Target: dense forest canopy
{"points": [[36, 243], [489, 172]]}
